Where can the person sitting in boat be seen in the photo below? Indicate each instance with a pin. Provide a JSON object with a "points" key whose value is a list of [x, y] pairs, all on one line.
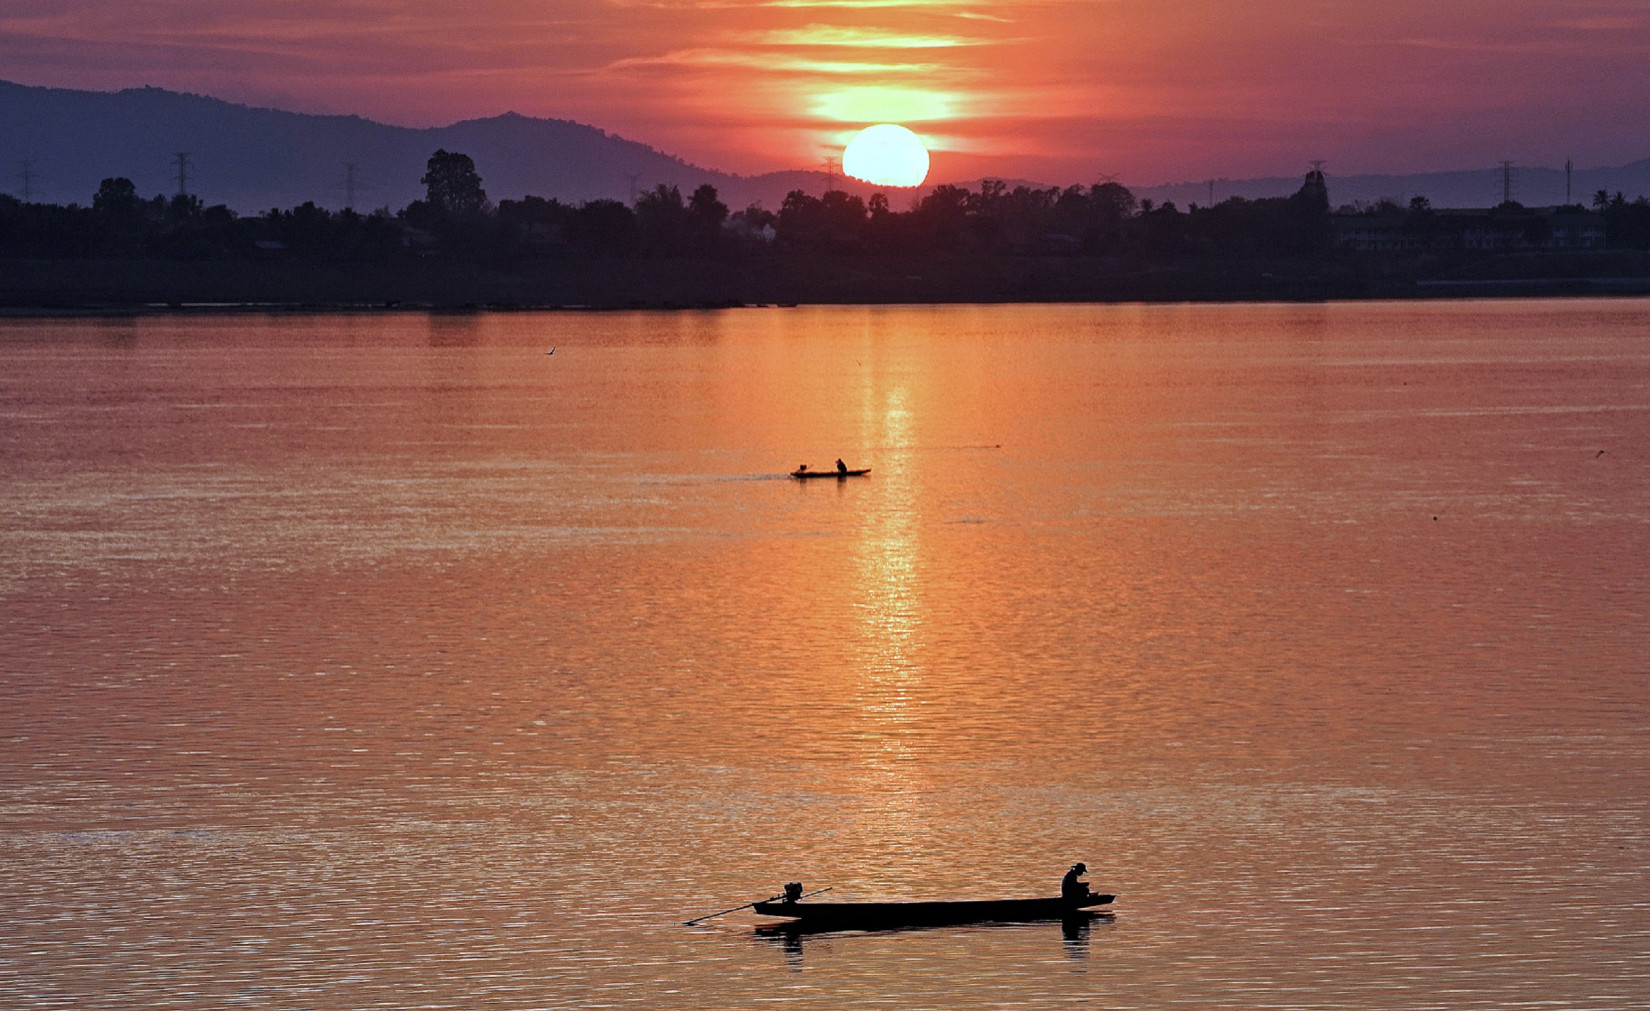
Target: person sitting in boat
{"points": [[841, 468], [793, 891], [801, 468], [1070, 887]]}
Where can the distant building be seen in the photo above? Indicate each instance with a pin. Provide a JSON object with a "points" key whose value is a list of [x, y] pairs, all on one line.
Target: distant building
{"points": [[1378, 231], [1388, 228]]}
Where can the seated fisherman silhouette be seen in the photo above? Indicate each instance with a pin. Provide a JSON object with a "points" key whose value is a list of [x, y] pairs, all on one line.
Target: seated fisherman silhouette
{"points": [[841, 468], [793, 891], [1073, 889]]}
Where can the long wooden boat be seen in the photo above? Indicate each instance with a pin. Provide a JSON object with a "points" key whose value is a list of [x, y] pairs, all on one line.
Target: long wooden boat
{"points": [[876, 915], [805, 475]]}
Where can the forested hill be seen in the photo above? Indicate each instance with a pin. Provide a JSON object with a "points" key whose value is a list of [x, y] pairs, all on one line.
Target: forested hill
{"points": [[252, 159]]}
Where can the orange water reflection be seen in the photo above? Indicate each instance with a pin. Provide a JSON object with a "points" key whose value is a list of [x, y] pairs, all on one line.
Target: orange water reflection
{"points": [[342, 647]]}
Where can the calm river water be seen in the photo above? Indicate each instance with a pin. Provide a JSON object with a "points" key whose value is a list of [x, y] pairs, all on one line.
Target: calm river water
{"points": [[386, 661]]}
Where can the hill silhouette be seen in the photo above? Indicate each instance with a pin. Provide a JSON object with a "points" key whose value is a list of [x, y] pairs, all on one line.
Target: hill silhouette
{"points": [[252, 158]]}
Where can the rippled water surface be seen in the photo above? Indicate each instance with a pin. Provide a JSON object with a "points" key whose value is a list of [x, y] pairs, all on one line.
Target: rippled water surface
{"points": [[386, 661]]}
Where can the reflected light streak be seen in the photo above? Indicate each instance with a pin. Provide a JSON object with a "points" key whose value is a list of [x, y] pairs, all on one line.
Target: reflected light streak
{"points": [[890, 609]]}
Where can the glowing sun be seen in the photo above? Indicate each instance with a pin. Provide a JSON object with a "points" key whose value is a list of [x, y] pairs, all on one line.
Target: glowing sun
{"points": [[886, 155]]}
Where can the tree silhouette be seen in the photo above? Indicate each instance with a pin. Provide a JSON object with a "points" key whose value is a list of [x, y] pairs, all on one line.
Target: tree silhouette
{"points": [[662, 219], [184, 207], [1310, 206], [836, 220], [950, 221], [452, 186], [602, 229], [706, 216], [1112, 201], [704, 206], [754, 225], [116, 196]]}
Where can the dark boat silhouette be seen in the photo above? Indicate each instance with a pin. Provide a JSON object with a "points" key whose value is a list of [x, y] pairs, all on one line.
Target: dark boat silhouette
{"points": [[805, 475], [882, 915]]}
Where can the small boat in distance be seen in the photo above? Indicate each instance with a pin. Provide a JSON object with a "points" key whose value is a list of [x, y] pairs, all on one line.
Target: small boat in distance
{"points": [[884, 915], [803, 473]]}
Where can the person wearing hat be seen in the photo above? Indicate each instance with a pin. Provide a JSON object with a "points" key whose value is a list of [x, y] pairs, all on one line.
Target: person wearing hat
{"points": [[1070, 887]]}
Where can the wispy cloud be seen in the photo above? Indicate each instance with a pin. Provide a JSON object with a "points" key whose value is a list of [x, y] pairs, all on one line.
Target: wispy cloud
{"points": [[874, 4], [1531, 47], [712, 57], [1127, 81], [954, 8], [951, 8], [1606, 23], [855, 38], [884, 104]]}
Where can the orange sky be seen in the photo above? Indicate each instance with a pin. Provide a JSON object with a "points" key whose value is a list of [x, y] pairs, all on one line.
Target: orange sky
{"points": [[1059, 91]]}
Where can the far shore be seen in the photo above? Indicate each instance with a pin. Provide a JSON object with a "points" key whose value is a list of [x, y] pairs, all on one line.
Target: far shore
{"points": [[85, 287]]}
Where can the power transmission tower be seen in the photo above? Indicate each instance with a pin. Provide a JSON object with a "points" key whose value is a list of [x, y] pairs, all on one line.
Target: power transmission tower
{"points": [[27, 176], [1569, 167], [182, 162], [830, 174], [1211, 193], [1506, 182], [634, 178], [353, 184]]}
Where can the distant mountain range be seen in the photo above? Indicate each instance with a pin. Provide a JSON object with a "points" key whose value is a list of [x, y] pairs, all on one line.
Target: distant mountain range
{"points": [[56, 145]]}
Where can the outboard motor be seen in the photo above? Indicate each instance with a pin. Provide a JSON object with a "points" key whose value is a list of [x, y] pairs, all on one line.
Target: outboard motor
{"points": [[793, 891]]}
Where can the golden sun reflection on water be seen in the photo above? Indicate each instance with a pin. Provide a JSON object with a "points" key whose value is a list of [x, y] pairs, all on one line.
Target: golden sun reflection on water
{"points": [[888, 603], [875, 678]]}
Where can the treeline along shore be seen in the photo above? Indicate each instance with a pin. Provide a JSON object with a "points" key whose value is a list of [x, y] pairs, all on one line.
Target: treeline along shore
{"points": [[455, 248]]}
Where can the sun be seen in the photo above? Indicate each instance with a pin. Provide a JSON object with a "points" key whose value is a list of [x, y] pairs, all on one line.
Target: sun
{"points": [[886, 155]]}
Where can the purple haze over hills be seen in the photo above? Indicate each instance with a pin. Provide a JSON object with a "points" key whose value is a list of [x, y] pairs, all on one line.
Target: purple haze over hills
{"points": [[252, 159]]}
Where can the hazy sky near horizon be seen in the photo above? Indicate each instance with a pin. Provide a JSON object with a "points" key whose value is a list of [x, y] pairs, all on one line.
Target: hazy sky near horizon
{"points": [[1059, 91]]}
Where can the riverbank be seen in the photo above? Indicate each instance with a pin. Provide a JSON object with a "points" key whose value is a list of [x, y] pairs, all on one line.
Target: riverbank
{"points": [[127, 286]]}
